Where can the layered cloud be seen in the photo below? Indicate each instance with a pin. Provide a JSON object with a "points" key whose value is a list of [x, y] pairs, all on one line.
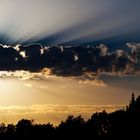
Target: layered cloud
{"points": [[51, 113], [68, 60]]}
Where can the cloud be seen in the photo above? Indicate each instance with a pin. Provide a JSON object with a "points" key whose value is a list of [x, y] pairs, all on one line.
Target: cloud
{"points": [[51, 113], [135, 52], [36, 60], [93, 82], [26, 75]]}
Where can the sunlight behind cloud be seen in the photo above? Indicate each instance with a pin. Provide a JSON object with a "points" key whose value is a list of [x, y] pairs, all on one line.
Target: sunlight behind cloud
{"points": [[26, 88], [52, 98]]}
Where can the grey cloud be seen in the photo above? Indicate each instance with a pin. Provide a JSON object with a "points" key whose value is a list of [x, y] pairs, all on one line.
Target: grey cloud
{"points": [[135, 52], [69, 60]]}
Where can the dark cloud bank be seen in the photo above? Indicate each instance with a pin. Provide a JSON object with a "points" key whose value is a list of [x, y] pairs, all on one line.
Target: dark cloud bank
{"points": [[69, 60]]}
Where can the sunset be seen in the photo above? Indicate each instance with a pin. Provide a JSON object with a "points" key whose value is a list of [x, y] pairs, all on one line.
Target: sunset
{"points": [[67, 60]]}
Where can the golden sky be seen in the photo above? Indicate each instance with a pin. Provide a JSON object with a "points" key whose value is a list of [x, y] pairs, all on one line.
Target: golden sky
{"points": [[52, 98]]}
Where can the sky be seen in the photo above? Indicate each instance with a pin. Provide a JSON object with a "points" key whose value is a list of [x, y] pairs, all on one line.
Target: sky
{"points": [[69, 21], [61, 57]]}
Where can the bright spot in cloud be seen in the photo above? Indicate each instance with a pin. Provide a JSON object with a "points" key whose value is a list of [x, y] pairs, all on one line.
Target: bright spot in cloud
{"points": [[22, 53]]}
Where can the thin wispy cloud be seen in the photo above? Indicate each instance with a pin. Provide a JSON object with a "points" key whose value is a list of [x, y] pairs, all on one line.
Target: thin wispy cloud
{"points": [[51, 113]]}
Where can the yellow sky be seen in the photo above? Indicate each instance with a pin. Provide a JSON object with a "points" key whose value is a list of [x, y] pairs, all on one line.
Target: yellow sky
{"points": [[59, 90], [50, 112], [53, 98]]}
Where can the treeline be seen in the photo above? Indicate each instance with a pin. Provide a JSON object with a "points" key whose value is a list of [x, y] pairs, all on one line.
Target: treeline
{"points": [[118, 125]]}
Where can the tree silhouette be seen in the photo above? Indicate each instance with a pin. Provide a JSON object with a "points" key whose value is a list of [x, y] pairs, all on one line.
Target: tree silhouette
{"points": [[24, 127], [120, 124]]}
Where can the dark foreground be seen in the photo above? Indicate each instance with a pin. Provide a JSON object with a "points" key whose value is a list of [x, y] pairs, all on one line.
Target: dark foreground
{"points": [[117, 125]]}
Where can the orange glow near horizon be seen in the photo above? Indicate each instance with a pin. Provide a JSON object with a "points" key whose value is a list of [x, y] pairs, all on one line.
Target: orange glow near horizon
{"points": [[53, 98]]}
